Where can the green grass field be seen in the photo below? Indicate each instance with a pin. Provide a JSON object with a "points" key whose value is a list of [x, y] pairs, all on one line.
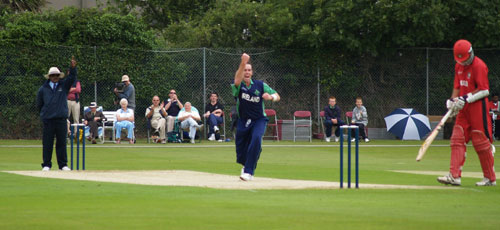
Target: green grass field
{"points": [[41, 203]]}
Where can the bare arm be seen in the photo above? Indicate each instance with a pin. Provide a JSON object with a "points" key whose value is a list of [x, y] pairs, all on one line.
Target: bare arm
{"points": [[455, 93], [238, 76]]}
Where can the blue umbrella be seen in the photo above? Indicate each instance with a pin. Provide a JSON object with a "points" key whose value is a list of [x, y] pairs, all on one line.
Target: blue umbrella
{"points": [[407, 124]]}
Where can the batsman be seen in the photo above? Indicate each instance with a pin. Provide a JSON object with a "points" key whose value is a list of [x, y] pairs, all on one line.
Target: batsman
{"points": [[469, 102]]}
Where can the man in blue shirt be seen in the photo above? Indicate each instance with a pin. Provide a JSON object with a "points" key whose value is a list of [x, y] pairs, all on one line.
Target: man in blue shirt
{"points": [[53, 108], [252, 120]]}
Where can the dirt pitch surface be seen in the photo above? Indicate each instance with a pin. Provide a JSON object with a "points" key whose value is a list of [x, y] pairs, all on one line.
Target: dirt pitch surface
{"points": [[202, 179]]}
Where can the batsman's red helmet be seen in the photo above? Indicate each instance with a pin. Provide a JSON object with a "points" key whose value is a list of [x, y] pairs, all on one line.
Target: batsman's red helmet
{"points": [[462, 50]]}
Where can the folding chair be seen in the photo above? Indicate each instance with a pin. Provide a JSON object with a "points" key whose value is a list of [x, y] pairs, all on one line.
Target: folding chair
{"points": [[271, 113], [302, 123], [100, 130], [109, 124], [148, 128], [222, 127], [348, 117], [322, 120]]}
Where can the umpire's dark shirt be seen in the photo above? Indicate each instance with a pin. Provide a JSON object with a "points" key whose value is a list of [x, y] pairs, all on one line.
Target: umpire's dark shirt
{"points": [[52, 104]]}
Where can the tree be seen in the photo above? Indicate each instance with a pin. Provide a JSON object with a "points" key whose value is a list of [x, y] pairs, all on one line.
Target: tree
{"points": [[71, 26], [22, 5], [162, 13]]}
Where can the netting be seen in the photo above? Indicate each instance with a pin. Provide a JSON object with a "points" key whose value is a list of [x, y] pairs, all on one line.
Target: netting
{"points": [[411, 78]]}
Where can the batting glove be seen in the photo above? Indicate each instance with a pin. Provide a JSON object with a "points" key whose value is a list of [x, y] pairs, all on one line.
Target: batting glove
{"points": [[450, 104], [460, 102]]}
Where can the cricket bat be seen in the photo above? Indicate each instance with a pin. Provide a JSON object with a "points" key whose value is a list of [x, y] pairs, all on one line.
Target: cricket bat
{"points": [[427, 143]]}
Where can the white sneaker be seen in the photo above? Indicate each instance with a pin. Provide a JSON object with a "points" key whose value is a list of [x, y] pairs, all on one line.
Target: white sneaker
{"points": [[353, 139], [486, 182], [242, 170], [336, 139], [327, 139], [367, 140], [45, 168], [246, 177], [192, 141], [448, 179], [220, 140], [216, 129], [212, 137], [65, 168]]}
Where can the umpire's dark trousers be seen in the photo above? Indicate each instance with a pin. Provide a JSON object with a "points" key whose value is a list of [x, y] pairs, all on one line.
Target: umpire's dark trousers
{"points": [[59, 129]]}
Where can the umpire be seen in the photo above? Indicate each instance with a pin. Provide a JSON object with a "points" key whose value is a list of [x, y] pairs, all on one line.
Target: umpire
{"points": [[53, 108]]}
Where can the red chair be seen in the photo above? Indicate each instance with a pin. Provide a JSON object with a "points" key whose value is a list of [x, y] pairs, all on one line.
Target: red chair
{"points": [[270, 113], [302, 123], [322, 116], [348, 117]]}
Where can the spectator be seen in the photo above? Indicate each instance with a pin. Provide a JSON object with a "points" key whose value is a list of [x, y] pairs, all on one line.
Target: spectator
{"points": [[156, 114], [189, 117], [74, 102], [53, 107], [494, 110], [173, 105], [360, 119], [213, 112], [128, 92], [124, 119], [94, 120], [333, 117]]}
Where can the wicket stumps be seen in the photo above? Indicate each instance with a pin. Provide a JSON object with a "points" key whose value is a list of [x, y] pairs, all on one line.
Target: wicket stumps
{"points": [[78, 127], [356, 137]]}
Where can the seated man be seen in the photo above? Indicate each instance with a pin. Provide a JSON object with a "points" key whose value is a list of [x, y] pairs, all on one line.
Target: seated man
{"points": [[333, 117], [124, 120], [213, 113], [189, 117], [360, 119], [94, 120], [172, 106], [156, 113]]}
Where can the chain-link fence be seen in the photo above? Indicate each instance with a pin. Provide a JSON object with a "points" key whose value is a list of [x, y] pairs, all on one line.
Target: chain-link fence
{"points": [[411, 78]]}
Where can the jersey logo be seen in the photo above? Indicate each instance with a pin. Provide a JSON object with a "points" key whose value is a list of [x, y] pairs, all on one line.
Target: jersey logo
{"points": [[460, 72], [468, 75], [464, 83], [257, 92], [247, 97]]}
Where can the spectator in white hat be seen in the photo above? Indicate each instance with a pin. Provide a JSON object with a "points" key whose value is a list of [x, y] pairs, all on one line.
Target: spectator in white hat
{"points": [[94, 119]]}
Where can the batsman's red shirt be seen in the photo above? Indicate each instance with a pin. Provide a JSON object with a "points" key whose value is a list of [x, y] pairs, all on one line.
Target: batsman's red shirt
{"points": [[474, 116]]}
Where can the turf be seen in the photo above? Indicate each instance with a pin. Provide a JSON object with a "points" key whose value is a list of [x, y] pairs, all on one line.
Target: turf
{"points": [[40, 203]]}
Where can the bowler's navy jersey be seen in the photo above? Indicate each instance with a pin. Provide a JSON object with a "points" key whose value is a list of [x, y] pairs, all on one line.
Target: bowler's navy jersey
{"points": [[250, 103]]}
